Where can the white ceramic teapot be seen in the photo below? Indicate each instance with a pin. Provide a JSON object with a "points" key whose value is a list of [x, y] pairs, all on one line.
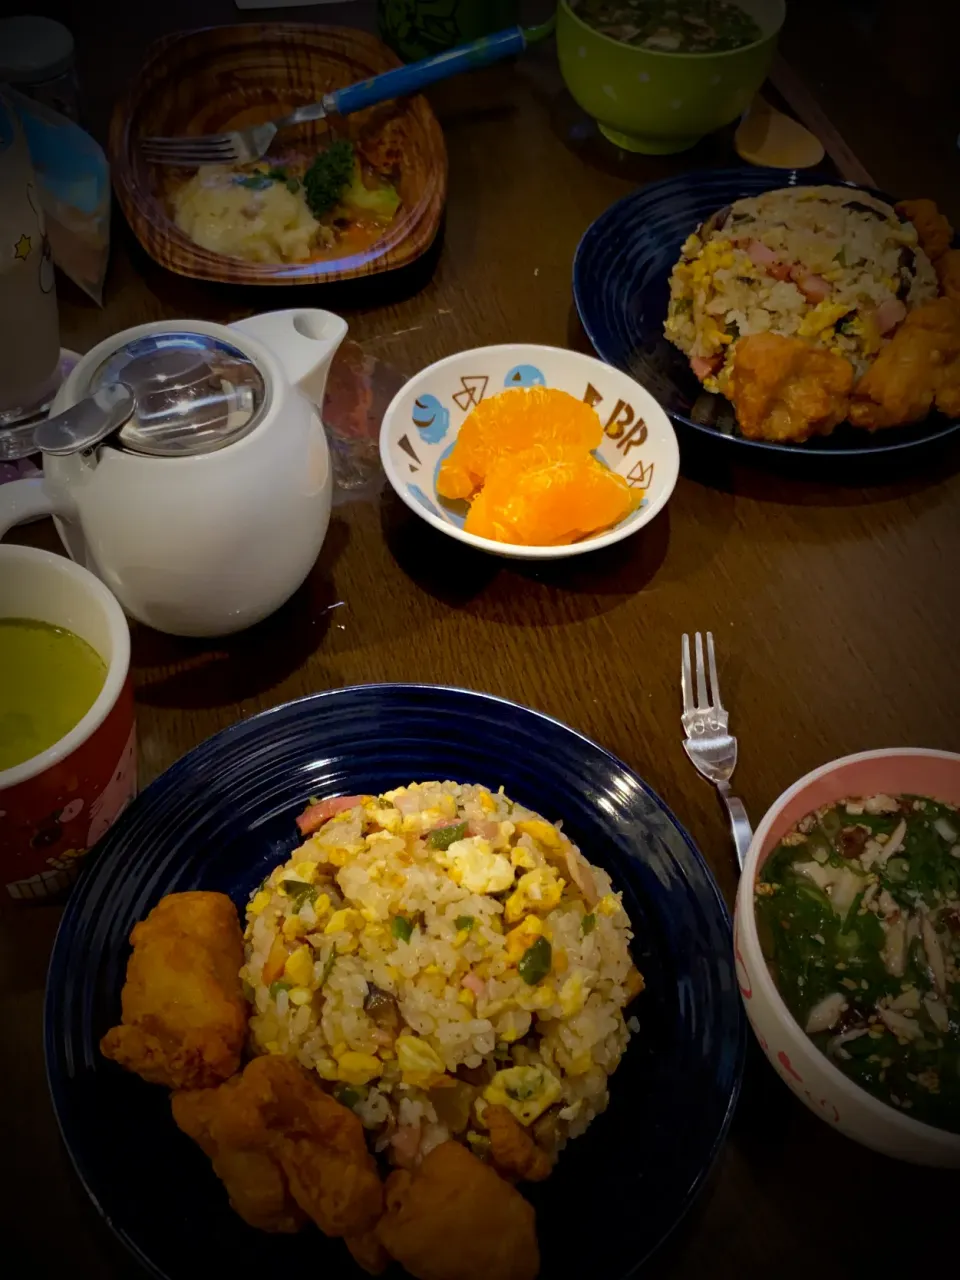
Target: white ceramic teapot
{"points": [[208, 510]]}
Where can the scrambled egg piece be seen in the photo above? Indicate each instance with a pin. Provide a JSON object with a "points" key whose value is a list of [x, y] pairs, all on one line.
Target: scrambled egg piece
{"points": [[418, 1060], [475, 866], [537, 890], [543, 832], [299, 967], [823, 316], [267, 224], [522, 937], [358, 1068], [526, 1092]]}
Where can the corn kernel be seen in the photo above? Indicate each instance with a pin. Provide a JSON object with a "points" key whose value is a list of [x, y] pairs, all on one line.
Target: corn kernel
{"points": [[326, 1069], [261, 902], [300, 995], [293, 928], [306, 871], [465, 997], [342, 921], [608, 905], [340, 1048], [273, 1046]]}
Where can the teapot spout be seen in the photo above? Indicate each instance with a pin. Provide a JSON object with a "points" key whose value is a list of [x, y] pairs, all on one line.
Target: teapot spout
{"points": [[303, 339]]}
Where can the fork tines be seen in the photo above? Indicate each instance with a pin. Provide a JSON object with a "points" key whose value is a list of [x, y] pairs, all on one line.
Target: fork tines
{"points": [[686, 675], [211, 149]]}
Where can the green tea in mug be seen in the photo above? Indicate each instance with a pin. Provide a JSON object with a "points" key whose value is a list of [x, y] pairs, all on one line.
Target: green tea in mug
{"points": [[49, 680], [419, 28]]}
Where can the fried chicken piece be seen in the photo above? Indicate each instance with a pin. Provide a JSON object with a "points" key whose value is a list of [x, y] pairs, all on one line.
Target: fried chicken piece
{"points": [[786, 389], [918, 370], [513, 1151], [184, 1015], [455, 1219], [368, 1253], [319, 1144], [948, 273], [933, 229], [254, 1180]]}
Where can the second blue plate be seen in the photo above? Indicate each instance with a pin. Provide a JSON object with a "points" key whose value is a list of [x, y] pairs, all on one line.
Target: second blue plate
{"points": [[621, 286], [223, 816]]}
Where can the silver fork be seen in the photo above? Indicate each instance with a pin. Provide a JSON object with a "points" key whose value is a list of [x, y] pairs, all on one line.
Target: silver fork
{"points": [[239, 146], [709, 744]]}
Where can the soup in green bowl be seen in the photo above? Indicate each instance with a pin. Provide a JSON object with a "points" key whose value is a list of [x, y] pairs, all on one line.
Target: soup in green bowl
{"points": [[658, 75]]}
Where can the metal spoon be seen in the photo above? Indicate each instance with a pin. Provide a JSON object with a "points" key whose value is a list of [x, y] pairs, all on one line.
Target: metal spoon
{"points": [[84, 425]]}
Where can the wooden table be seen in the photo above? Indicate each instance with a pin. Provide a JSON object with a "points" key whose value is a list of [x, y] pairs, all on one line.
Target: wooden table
{"points": [[835, 605]]}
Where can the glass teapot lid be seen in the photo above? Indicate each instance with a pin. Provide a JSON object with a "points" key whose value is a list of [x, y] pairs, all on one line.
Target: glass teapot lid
{"points": [[194, 393]]}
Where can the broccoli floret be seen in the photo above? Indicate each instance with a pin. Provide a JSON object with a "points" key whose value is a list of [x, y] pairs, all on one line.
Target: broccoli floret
{"points": [[330, 173], [382, 201]]}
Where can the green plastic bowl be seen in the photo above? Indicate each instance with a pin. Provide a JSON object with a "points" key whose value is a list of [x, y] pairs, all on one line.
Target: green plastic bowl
{"points": [[654, 102]]}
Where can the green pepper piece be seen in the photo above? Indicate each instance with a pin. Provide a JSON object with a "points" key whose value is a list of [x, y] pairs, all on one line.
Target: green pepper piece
{"points": [[346, 1095], [328, 968], [464, 922], [277, 987], [401, 928], [535, 962], [444, 837], [253, 181], [299, 891], [588, 924]]}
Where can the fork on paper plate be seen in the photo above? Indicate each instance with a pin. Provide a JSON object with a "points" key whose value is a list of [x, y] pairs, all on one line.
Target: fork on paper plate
{"points": [[709, 744]]}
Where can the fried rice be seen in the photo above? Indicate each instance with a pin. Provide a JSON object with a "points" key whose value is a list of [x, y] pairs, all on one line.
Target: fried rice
{"points": [[830, 264], [437, 949]]}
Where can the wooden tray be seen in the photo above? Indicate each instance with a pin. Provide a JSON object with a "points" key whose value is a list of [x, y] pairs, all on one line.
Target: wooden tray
{"points": [[218, 78]]}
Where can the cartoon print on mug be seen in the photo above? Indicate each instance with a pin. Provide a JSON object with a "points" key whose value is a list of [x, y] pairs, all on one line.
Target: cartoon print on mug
{"points": [[117, 794]]}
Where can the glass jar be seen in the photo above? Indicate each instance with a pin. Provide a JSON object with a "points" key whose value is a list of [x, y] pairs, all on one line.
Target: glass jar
{"points": [[36, 57]]}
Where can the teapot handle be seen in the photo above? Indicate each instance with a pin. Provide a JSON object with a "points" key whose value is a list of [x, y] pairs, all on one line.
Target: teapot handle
{"points": [[304, 340], [25, 500]]}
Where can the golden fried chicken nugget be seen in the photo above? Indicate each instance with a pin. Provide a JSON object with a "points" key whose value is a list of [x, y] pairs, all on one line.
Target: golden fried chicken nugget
{"points": [[786, 389], [455, 1219], [917, 371], [948, 273], [319, 1144], [933, 229], [513, 1151], [253, 1179], [368, 1253], [184, 1014]]}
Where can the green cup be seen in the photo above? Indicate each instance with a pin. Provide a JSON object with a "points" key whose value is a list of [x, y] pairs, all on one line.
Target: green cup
{"points": [[420, 28]]}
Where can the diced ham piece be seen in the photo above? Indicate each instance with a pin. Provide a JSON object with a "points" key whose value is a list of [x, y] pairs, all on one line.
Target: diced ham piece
{"points": [[474, 984], [760, 254], [703, 366], [813, 287], [889, 314], [315, 815], [765, 258], [483, 827]]}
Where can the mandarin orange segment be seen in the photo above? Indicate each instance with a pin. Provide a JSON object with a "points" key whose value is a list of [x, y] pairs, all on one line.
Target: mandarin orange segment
{"points": [[510, 422], [549, 497]]}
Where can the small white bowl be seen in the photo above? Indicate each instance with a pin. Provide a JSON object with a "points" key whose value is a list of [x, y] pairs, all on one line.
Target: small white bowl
{"points": [[424, 418], [809, 1073]]}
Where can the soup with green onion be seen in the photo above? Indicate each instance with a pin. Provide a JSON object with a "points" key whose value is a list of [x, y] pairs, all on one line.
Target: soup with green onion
{"points": [[858, 912], [672, 26]]}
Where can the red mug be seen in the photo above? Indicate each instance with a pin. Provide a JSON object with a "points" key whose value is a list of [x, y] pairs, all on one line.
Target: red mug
{"points": [[56, 805]]}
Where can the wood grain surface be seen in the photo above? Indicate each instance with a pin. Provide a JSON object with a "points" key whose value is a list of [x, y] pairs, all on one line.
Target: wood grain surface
{"points": [[834, 601], [231, 77]]}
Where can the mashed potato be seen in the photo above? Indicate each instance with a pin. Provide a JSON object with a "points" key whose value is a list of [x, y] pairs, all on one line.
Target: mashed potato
{"points": [[265, 224]]}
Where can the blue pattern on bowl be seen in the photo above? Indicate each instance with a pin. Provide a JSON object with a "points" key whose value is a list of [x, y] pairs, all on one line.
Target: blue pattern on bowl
{"points": [[223, 816], [621, 287]]}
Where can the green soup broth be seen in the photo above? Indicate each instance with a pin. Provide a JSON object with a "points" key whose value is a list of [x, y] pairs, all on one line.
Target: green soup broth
{"points": [[49, 680], [672, 26], [858, 914]]}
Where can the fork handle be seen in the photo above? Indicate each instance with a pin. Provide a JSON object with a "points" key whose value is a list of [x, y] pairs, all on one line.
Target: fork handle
{"points": [[416, 76], [739, 822]]}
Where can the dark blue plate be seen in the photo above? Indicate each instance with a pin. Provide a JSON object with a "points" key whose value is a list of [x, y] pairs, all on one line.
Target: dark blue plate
{"points": [[621, 285], [224, 815]]}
